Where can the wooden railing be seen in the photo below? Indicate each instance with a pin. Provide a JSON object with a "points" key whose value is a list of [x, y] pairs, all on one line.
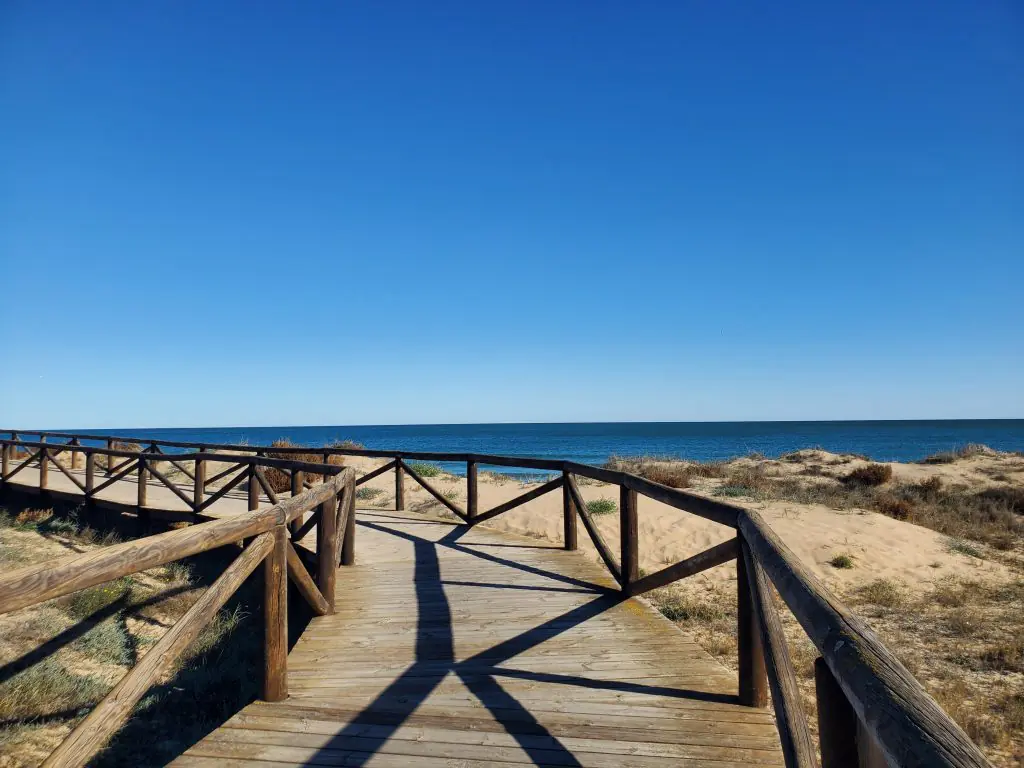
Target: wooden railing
{"points": [[871, 710], [268, 536]]}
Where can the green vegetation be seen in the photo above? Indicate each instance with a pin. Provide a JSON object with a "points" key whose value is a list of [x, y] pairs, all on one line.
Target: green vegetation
{"points": [[602, 507], [961, 547], [841, 561], [423, 469], [366, 493]]}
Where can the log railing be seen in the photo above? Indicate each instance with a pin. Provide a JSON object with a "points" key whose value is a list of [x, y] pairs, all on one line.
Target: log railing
{"points": [[871, 710], [266, 537]]}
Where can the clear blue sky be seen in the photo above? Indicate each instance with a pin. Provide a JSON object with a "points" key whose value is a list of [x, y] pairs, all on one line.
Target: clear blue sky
{"points": [[217, 213]]}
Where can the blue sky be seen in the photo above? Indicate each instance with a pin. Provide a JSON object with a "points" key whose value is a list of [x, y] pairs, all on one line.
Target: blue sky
{"points": [[217, 213]]}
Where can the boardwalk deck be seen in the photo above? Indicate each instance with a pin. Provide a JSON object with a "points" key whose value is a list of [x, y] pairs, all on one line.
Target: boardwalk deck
{"points": [[467, 646]]}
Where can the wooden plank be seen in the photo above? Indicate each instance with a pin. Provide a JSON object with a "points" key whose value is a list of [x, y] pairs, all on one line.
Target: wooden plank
{"points": [[709, 558], [100, 724], [304, 583], [519, 500], [595, 535]]}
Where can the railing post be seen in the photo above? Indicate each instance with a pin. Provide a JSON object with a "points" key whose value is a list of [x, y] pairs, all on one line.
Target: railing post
{"points": [[298, 486], [142, 480], [110, 458], [399, 485], [90, 472], [568, 515], [199, 485], [628, 535], [348, 543], [471, 490], [72, 453], [254, 489], [44, 466], [275, 619], [753, 677], [837, 722], [326, 552], [6, 467]]}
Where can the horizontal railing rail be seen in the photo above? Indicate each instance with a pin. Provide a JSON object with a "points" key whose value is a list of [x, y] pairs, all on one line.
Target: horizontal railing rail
{"points": [[265, 534], [871, 710]]}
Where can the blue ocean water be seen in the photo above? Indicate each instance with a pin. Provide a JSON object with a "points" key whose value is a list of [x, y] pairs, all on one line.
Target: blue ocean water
{"points": [[593, 443]]}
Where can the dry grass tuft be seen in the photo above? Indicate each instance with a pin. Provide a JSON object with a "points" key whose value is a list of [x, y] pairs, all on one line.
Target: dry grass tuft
{"points": [[963, 452], [281, 480], [881, 592]]}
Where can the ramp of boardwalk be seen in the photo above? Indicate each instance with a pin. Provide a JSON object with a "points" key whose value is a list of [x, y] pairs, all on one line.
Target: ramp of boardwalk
{"points": [[450, 644]]}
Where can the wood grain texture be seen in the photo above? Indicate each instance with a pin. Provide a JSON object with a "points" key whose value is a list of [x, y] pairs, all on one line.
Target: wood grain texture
{"points": [[304, 583], [797, 746], [465, 646], [709, 558], [100, 724], [569, 534], [909, 726], [753, 677], [275, 617]]}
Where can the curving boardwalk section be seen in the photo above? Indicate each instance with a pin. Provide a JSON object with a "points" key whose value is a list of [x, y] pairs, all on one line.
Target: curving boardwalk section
{"points": [[455, 646]]}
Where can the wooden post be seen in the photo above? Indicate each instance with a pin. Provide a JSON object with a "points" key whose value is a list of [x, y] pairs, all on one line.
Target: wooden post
{"points": [[110, 458], [399, 485], [199, 485], [6, 452], [471, 490], [326, 552], [628, 536], [275, 619], [837, 722], [348, 543], [72, 453], [753, 677], [90, 472], [568, 515], [44, 466], [142, 481], [297, 487], [254, 489]]}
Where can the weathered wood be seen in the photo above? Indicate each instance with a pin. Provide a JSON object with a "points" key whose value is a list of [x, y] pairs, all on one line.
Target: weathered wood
{"points": [[530, 495], [67, 473], [304, 583], [181, 468], [569, 534], [275, 618], [54, 578], [908, 725], [326, 541], [709, 558], [116, 477], [347, 525], [753, 677], [709, 509], [253, 488], [378, 471], [142, 481], [399, 485], [471, 490], [837, 722], [172, 486], [224, 490], [265, 485], [224, 473], [199, 484], [595, 535], [100, 724], [797, 746], [297, 488], [32, 457], [629, 538], [110, 458], [90, 473], [5, 453], [436, 493], [300, 532], [43, 467]]}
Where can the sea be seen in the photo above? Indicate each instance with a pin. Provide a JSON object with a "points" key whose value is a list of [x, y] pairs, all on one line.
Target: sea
{"points": [[594, 443]]}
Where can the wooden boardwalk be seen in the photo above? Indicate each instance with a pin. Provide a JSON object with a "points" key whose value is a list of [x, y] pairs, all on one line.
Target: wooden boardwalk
{"points": [[455, 646]]}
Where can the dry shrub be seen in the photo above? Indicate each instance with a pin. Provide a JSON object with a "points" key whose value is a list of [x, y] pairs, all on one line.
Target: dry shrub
{"points": [[895, 507], [1004, 657], [870, 474], [120, 445], [281, 480], [881, 592], [963, 452], [33, 516]]}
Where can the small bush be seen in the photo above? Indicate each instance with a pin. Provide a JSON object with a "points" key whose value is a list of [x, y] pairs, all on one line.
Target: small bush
{"points": [[882, 592], [961, 547], [366, 493], [841, 561], [870, 474], [733, 491], [963, 452], [281, 480], [424, 469], [602, 507], [688, 608], [1004, 657], [1011, 498], [895, 507]]}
